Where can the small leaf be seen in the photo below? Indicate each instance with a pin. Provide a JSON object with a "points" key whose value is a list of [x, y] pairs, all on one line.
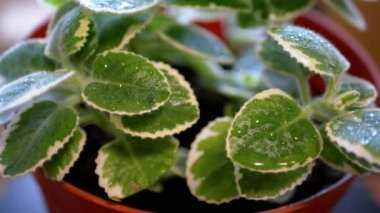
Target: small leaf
{"points": [[271, 133], [358, 133], [116, 31], [24, 89], [34, 136], [336, 158], [69, 35], [310, 49], [210, 174], [263, 186], [61, 12], [25, 58], [179, 113], [126, 84], [348, 10], [367, 91], [127, 166], [279, 60], [346, 99], [197, 42], [119, 6], [264, 11], [211, 4], [59, 165]]}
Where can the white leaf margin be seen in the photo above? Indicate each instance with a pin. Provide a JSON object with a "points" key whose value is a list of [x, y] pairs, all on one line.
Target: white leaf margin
{"points": [[195, 154], [51, 151], [95, 106], [299, 181], [63, 171], [356, 149], [34, 92], [164, 132], [261, 96]]}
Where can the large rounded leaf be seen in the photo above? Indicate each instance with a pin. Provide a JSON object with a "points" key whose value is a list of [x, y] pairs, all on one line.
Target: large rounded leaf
{"points": [[358, 133], [210, 174], [126, 84], [179, 113], [209, 4], [35, 136], [129, 165], [310, 49], [271, 133]]}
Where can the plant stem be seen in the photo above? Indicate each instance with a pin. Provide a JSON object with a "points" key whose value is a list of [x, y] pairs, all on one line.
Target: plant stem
{"points": [[304, 89]]}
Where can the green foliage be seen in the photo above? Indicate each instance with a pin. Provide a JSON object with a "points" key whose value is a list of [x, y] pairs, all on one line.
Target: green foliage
{"points": [[100, 65]]}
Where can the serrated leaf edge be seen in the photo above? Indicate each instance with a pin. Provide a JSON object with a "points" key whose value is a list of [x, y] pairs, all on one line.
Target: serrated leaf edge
{"points": [[63, 171], [355, 149], [195, 154], [165, 131], [299, 181], [51, 151]]}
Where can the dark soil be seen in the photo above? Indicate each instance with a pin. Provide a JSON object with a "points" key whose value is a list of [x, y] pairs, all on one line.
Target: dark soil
{"points": [[175, 191]]}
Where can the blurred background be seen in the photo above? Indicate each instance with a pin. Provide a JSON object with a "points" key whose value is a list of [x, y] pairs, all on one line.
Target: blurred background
{"points": [[19, 17]]}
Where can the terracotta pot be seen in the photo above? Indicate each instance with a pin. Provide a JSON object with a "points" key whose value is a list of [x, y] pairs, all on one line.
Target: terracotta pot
{"points": [[64, 197]]}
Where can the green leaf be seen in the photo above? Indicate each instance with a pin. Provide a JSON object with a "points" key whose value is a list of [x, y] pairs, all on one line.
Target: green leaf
{"points": [[367, 92], [263, 186], [61, 12], [338, 159], [271, 133], [24, 58], [119, 6], [358, 133], [69, 35], [197, 42], [310, 49], [35, 136], [264, 11], [59, 165], [279, 60], [24, 89], [129, 165], [116, 31], [211, 4], [126, 84], [346, 99], [179, 113], [210, 174], [54, 3], [348, 10]]}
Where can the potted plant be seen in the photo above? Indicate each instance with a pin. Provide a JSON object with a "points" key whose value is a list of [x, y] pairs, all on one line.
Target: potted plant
{"points": [[109, 79]]}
